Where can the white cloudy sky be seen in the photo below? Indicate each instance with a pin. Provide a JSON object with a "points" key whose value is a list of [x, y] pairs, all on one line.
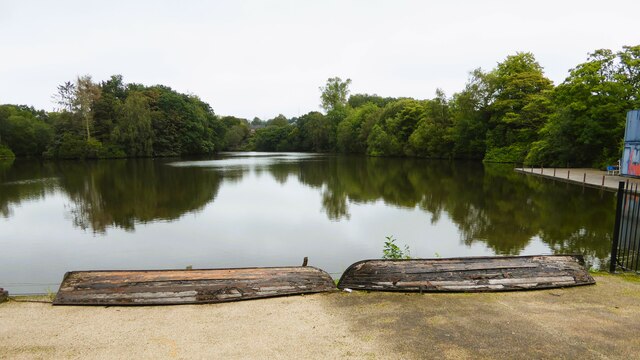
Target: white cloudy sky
{"points": [[261, 58]]}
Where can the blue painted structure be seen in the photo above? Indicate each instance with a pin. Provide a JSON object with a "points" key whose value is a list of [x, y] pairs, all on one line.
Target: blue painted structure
{"points": [[630, 164]]}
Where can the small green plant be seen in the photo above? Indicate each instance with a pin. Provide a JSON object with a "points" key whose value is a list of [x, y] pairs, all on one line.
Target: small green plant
{"points": [[50, 295], [393, 251]]}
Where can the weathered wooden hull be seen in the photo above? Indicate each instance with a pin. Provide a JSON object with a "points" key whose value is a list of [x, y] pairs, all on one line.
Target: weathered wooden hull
{"points": [[471, 274], [170, 287]]}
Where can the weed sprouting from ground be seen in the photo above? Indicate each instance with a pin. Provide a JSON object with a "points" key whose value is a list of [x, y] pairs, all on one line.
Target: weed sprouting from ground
{"points": [[393, 251]]}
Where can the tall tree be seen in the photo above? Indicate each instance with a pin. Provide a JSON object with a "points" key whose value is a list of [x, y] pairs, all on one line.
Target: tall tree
{"points": [[519, 109], [133, 130], [87, 92], [65, 95], [334, 94], [587, 126]]}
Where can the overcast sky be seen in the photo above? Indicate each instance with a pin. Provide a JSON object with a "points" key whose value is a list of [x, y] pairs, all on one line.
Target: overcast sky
{"points": [[262, 58]]}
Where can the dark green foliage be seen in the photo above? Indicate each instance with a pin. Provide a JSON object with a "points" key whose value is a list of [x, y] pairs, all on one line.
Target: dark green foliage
{"points": [[6, 153], [236, 134], [315, 132], [520, 107], [137, 121], [24, 130], [273, 138], [133, 126], [182, 124], [352, 133], [591, 105]]}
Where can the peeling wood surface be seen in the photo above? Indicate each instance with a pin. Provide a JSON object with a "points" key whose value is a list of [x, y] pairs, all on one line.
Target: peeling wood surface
{"points": [[169, 287], [471, 274]]}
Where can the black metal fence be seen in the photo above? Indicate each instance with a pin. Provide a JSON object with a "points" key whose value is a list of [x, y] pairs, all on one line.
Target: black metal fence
{"points": [[625, 250]]}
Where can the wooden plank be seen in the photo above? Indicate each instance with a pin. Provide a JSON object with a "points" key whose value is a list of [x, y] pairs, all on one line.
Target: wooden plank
{"points": [[468, 274], [163, 287]]}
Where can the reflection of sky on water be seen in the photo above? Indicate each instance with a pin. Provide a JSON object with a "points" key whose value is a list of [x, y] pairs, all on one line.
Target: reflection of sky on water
{"points": [[245, 160]]}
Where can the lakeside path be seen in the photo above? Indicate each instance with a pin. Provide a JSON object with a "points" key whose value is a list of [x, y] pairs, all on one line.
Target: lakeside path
{"points": [[589, 322], [588, 177]]}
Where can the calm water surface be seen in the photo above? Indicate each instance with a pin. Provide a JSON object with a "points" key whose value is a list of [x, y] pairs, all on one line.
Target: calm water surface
{"points": [[266, 209]]}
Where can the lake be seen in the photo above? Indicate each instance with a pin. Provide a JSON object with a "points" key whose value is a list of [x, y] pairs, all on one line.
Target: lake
{"points": [[268, 209]]}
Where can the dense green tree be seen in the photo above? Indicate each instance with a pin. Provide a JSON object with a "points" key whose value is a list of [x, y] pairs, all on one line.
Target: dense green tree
{"points": [[380, 143], [24, 130], [587, 126], [353, 131], [470, 117], [182, 124], [317, 132], [519, 109], [236, 132], [273, 138], [133, 127], [432, 136]]}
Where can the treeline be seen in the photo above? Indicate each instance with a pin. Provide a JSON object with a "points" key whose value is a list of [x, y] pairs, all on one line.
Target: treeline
{"points": [[112, 119], [512, 113]]}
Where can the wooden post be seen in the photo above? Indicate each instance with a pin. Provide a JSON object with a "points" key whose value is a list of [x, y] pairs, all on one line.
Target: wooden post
{"points": [[584, 178], [541, 169], [554, 172], [616, 228], [602, 180], [305, 261], [568, 172]]}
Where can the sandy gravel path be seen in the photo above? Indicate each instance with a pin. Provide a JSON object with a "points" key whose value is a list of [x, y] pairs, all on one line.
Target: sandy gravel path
{"points": [[592, 322]]}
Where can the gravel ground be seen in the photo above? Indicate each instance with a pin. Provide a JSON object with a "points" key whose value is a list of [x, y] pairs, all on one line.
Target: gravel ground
{"points": [[591, 322]]}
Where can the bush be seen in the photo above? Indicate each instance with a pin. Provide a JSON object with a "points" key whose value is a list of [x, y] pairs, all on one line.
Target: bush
{"points": [[514, 153], [6, 153], [111, 151]]}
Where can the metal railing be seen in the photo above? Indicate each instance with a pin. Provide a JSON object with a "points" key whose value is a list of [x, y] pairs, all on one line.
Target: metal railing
{"points": [[625, 249]]}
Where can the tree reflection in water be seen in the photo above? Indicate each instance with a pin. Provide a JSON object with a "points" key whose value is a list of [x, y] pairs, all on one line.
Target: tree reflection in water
{"points": [[488, 203]]}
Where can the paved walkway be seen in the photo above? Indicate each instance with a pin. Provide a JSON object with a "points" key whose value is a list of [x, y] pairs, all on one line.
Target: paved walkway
{"points": [[589, 322], [582, 176]]}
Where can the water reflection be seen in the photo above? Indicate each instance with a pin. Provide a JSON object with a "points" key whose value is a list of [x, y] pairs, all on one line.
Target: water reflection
{"points": [[489, 204], [117, 193]]}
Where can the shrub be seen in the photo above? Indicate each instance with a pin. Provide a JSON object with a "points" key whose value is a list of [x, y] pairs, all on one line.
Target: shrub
{"points": [[6, 153]]}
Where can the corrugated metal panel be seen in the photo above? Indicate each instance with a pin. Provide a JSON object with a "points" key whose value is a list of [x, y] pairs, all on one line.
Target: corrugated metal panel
{"points": [[630, 164], [632, 131]]}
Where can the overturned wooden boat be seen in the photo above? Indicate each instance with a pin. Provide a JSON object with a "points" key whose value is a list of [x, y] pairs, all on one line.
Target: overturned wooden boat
{"points": [[469, 274], [171, 287]]}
